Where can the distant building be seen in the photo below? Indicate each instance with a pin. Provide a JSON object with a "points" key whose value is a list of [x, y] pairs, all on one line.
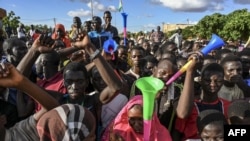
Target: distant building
{"points": [[170, 27]]}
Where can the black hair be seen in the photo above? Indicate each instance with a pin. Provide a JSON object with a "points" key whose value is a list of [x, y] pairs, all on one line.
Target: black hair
{"points": [[210, 116], [97, 19], [230, 58], [53, 56], [9, 43], [138, 48], [165, 45], [107, 12], [76, 66], [238, 108], [211, 68], [174, 68], [208, 57], [244, 53], [219, 53], [151, 58]]}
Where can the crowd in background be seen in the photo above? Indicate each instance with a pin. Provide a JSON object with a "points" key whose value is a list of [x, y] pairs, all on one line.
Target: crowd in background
{"points": [[68, 85]]}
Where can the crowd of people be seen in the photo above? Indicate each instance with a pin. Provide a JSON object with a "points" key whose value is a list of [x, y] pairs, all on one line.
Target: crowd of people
{"points": [[64, 85]]}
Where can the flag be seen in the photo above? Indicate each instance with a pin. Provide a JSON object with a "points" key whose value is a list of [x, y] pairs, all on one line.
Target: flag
{"points": [[120, 6]]}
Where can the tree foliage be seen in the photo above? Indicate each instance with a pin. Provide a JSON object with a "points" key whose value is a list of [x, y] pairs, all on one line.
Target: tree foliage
{"points": [[209, 25], [11, 20], [235, 25]]}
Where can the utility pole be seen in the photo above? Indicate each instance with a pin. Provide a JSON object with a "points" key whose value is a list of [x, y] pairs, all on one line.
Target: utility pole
{"points": [[54, 21], [92, 9]]}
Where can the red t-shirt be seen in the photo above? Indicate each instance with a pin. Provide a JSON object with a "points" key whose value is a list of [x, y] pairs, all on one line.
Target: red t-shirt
{"points": [[188, 126], [55, 83]]}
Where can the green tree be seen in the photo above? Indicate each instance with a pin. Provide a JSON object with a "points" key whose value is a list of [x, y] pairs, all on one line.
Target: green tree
{"points": [[188, 32], [209, 25], [237, 25], [11, 20]]}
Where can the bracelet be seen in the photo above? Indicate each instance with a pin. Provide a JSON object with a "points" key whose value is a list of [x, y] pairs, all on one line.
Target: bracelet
{"points": [[93, 56]]}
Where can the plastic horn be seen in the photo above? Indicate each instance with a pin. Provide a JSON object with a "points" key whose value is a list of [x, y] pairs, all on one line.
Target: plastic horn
{"points": [[124, 15], [149, 87], [247, 43], [214, 43], [110, 46]]}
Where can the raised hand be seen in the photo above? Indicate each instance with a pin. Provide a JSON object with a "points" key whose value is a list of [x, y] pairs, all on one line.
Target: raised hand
{"points": [[43, 44], [83, 40], [10, 76], [196, 58], [236, 78]]}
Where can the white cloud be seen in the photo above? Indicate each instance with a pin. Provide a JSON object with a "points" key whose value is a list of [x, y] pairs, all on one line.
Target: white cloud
{"points": [[79, 13], [191, 5], [101, 8], [13, 5], [242, 1], [97, 7]]}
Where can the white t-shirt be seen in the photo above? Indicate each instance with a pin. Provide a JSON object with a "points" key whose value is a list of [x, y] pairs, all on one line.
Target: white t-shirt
{"points": [[20, 32]]}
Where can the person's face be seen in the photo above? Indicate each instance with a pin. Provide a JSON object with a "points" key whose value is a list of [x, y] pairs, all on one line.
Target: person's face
{"points": [[76, 83], [77, 22], [164, 71], [107, 18], [232, 69], [146, 46], [47, 64], [122, 54], [245, 60], [149, 68], [97, 81], [136, 55], [135, 119], [212, 83], [59, 33], [212, 132], [96, 26], [18, 52], [87, 27]]}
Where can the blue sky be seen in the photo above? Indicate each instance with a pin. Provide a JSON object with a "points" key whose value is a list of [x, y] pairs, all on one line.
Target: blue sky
{"points": [[143, 15]]}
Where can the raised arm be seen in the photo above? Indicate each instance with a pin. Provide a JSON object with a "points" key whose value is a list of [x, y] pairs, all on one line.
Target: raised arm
{"points": [[106, 71], [42, 44], [11, 77], [185, 103]]}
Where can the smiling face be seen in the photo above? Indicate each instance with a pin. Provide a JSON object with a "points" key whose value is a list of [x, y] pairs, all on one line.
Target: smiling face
{"points": [[212, 82], [76, 83]]}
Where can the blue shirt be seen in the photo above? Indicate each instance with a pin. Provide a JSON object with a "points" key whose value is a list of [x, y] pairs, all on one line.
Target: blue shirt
{"points": [[98, 39]]}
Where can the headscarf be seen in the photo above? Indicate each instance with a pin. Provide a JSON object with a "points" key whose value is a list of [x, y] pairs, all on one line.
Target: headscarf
{"points": [[69, 122], [121, 125], [61, 27]]}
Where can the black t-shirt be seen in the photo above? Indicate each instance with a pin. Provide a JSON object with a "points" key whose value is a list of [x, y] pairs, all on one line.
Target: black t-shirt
{"points": [[10, 111]]}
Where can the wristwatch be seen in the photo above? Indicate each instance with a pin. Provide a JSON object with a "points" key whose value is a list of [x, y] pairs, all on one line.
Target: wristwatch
{"points": [[93, 56]]}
